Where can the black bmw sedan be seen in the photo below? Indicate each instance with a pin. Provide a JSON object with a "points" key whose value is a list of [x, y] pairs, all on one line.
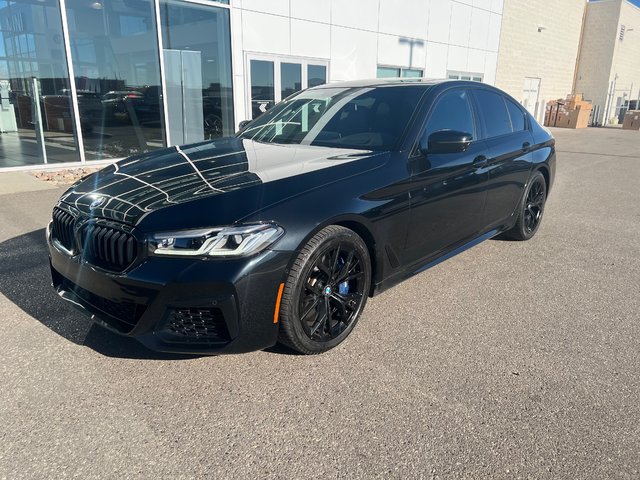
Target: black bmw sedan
{"points": [[281, 233]]}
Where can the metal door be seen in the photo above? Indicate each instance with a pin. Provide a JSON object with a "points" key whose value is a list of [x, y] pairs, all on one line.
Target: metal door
{"points": [[531, 95]]}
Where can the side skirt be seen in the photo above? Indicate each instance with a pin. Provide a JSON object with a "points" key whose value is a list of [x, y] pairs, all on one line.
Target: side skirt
{"points": [[420, 267]]}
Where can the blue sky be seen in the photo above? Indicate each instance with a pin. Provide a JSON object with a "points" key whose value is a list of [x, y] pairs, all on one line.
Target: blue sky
{"points": [[635, 2]]}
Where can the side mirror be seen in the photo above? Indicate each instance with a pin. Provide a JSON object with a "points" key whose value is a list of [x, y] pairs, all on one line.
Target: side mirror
{"points": [[243, 124], [446, 141]]}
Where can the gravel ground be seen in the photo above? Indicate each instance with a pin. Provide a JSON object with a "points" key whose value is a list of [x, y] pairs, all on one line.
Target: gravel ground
{"points": [[64, 177], [512, 360]]}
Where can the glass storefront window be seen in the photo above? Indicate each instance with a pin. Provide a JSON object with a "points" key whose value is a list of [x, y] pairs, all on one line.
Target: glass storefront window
{"points": [[317, 75], [262, 87], [197, 63], [476, 77], [395, 72], [36, 111], [114, 50], [388, 72], [411, 73], [290, 78]]}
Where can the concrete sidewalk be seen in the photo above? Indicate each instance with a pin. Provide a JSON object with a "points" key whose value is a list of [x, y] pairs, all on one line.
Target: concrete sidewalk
{"points": [[19, 182]]}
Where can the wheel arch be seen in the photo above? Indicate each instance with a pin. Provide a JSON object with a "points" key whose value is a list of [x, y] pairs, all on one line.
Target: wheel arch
{"points": [[545, 173], [364, 230]]}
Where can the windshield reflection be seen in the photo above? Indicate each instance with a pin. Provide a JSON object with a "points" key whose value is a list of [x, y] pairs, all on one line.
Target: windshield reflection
{"points": [[357, 118]]}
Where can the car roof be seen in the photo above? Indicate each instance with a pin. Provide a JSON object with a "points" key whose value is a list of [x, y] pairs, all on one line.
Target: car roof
{"points": [[380, 82], [427, 83]]}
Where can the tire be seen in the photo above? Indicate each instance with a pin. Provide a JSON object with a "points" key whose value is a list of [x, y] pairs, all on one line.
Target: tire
{"points": [[530, 210], [316, 285]]}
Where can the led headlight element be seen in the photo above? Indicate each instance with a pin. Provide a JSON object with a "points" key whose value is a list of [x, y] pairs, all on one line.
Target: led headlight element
{"points": [[216, 242]]}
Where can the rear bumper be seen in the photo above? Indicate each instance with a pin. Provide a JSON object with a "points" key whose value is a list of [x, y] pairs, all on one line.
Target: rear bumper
{"points": [[179, 305]]}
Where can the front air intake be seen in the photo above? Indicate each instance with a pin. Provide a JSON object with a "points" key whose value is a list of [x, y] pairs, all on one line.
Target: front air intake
{"points": [[199, 324]]}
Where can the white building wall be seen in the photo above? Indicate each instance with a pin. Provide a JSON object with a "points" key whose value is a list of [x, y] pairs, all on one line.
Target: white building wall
{"points": [[355, 36], [625, 67], [606, 60], [539, 40], [596, 53]]}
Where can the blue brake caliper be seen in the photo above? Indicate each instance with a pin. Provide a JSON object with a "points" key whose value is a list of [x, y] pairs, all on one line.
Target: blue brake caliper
{"points": [[343, 288]]}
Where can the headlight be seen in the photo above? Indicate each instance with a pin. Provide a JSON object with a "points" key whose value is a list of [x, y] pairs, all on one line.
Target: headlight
{"points": [[216, 242]]}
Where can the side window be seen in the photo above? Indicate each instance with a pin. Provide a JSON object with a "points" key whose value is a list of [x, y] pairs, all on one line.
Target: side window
{"points": [[452, 112], [494, 114], [517, 116]]}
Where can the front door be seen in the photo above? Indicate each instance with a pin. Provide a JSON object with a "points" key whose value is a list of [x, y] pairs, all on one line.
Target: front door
{"points": [[272, 79], [447, 189]]}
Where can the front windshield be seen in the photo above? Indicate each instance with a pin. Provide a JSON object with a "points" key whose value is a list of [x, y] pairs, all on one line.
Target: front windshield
{"points": [[359, 118]]}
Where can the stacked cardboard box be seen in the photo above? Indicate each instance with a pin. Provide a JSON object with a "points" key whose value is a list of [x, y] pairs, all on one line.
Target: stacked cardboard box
{"points": [[570, 112], [632, 120]]}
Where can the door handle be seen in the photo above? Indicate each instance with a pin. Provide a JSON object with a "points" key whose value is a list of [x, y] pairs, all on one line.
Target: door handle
{"points": [[480, 160], [526, 146]]}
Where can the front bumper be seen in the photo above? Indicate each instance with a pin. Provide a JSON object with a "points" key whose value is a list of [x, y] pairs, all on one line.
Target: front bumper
{"points": [[179, 305]]}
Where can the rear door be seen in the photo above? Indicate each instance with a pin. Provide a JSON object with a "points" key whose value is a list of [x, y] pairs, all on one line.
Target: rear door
{"points": [[505, 130], [447, 189]]}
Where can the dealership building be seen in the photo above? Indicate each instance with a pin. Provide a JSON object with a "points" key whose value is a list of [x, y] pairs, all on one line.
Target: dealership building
{"points": [[87, 80], [98, 80], [608, 71], [540, 41]]}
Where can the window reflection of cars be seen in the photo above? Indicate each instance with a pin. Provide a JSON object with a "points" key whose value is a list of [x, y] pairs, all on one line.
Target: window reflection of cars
{"points": [[89, 107], [89, 103], [118, 104]]}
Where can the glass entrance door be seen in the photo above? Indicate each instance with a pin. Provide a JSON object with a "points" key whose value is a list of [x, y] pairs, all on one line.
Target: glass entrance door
{"points": [[272, 79], [196, 44]]}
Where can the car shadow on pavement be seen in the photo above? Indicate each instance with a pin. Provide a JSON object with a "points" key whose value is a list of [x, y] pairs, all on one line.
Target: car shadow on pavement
{"points": [[26, 281]]}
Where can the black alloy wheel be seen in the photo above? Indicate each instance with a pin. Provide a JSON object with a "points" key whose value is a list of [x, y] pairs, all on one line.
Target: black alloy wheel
{"points": [[326, 291], [534, 206], [531, 209]]}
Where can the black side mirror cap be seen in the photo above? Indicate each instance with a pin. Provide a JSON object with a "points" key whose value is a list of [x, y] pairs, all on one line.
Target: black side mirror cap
{"points": [[243, 124], [446, 141]]}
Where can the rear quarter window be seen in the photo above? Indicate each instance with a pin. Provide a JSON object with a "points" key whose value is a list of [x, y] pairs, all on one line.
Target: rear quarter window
{"points": [[517, 116]]}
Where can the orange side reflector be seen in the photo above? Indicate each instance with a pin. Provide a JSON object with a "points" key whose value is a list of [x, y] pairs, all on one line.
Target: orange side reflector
{"points": [[276, 314]]}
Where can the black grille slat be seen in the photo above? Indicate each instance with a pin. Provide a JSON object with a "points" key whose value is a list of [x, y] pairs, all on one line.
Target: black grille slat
{"points": [[104, 245], [62, 228], [112, 247], [109, 248], [68, 231], [88, 241], [100, 236], [130, 250], [121, 241]]}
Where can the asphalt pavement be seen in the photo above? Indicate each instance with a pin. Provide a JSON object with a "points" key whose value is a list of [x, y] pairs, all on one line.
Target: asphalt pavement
{"points": [[511, 360]]}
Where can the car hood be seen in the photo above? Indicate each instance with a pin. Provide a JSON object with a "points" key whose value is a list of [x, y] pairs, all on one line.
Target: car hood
{"points": [[129, 190]]}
